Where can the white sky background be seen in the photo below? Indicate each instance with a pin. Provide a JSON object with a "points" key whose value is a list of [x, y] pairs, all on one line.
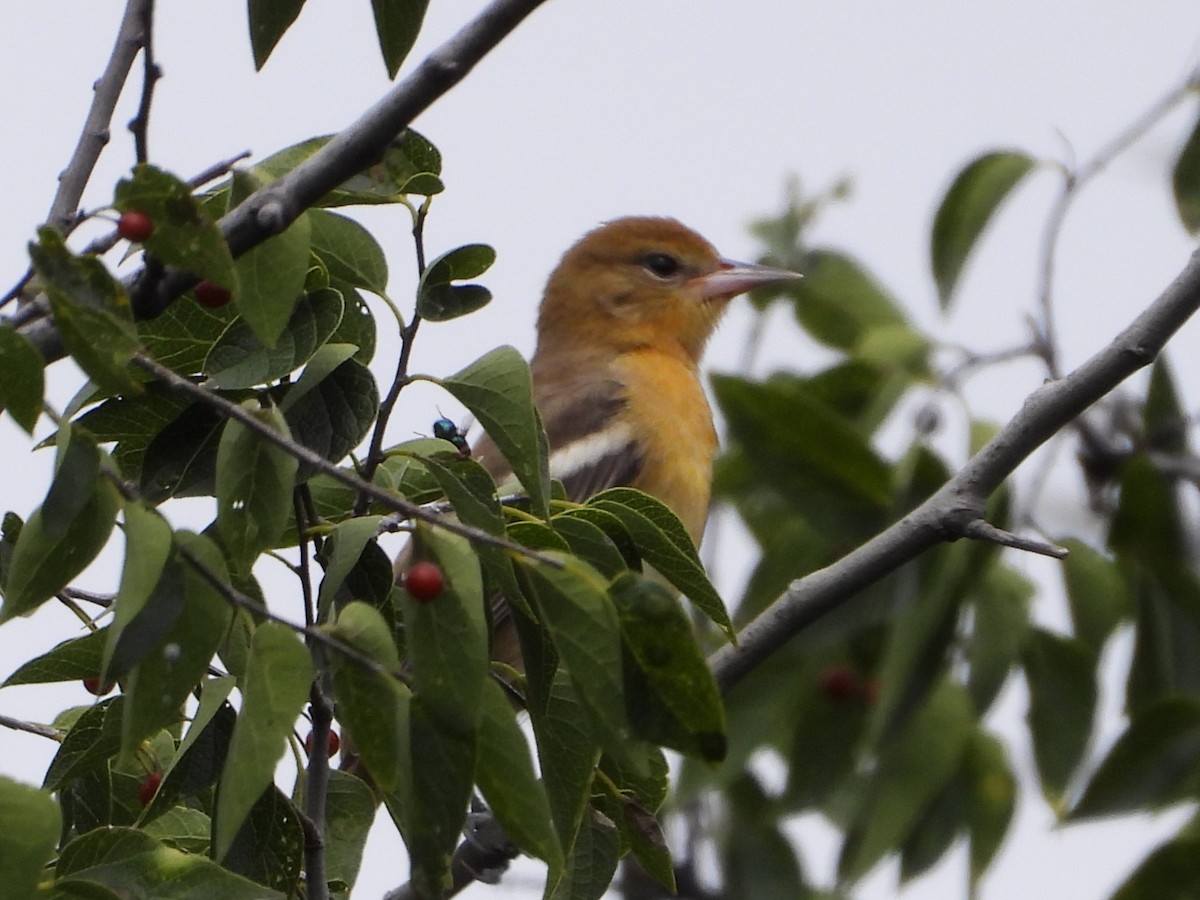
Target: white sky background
{"points": [[699, 110]]}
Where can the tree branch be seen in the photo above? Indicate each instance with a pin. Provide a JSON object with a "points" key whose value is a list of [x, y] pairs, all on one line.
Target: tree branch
{"points": [[229, 410], [94, 138], [274, 207], [951, 512], [310, 633]]}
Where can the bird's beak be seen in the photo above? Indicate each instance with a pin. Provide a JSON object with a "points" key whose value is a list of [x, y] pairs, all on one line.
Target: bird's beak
{"points": [[733, 278]]}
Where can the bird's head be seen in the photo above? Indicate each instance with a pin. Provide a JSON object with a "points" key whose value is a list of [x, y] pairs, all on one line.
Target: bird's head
{"points": [[642, 282]]}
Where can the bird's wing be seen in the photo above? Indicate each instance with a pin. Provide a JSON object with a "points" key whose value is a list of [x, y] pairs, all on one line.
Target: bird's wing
{"points": [[592, 448]]}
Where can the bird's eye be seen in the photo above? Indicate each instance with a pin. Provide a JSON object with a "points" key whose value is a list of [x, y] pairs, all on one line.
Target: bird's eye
{"points": [[661, 265]]}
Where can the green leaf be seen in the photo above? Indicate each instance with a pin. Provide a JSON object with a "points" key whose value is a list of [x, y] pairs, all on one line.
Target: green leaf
{"points": [[1062, 702], [991, 798], [969, 204], [644, 834], [439, 299], [373, 707], [274, 690], [1185, 181], [254, 487], [593, 860], [443, 765], [185, 236], [915, 658], [664, 543], [498, 390], [77, 467], [182, 336], [574, 607], [349, 250], [271, 275], [912, 769], [758, 860], [322, 364], [23, 383], [410, 165], [566, 752], [935, 831], [345, 543], [672, 696], [839, 303], [48, 555], [1166, 655], [91, 311], [93, 739], [1171, 872], [357, 326], [349, 812], [180, 460], [331, 414], [30, 822], [825, 730], [183, 828], [156, 690], [397, 22], [509, 784], [134, 865], [147, 549], [239, 359], [448, 636], [1148, 523], [1000, 605], [1097, 593], [1154, 763], [72, 660], [269, 847], [826, 470], [269, 19], [589, 542], [200, 758]]}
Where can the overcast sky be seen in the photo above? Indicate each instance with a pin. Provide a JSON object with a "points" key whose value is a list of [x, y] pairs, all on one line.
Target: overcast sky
{"points": [[697, 109]]}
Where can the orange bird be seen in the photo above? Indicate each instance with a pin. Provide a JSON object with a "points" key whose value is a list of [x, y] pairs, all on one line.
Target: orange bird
{"points": [[621, 329]]}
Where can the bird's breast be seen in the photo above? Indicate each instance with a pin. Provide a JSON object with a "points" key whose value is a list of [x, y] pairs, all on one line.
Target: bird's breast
{"points": [[668, 412]]}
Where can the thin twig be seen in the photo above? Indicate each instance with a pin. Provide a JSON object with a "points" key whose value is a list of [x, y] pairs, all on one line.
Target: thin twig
{"points": [[316, 788], [216, 170], [232, 411], [981, 530], [236, 598], [140, 124], [40, 730], [1074, 179], [408, 335]]}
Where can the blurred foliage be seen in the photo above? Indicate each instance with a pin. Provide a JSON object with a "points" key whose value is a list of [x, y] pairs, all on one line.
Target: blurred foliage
{"points": [[875, 718]]}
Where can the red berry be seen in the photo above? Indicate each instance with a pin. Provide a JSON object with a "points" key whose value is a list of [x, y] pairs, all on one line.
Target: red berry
{"points": [[335, 743], [149, 787], [424, 581], [211, 296], [94, 686], [135, 225], [840, 682]]}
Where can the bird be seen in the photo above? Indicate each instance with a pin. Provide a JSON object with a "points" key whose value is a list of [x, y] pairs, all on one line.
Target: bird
{"points": [[621, 331]]}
